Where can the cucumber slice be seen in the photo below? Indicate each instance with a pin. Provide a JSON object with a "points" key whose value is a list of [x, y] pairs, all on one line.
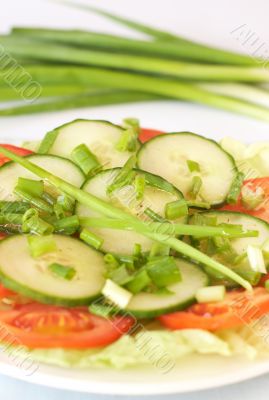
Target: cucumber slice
{"points": [[167, 155], [239, 245], [10, 172], [149, 305], [31, 277], [157, 193], [101, 138]]}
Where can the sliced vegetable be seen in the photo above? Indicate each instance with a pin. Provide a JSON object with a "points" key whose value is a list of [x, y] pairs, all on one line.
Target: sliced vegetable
{"points": [[210, 294], [62, 271], [157, 193], [85, 159], [237, 309], [91, 239], [218, 169], [115, 293], [180, 294], [11, 172], [255, 258], [30, 276], [40, 326], [100, 137], [40, 245]]}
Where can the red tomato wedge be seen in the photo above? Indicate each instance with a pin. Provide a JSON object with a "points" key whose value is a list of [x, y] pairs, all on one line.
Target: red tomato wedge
{"points": [[238, 308], [147, 134], [17, 150], [43, 326], [261, 211]]}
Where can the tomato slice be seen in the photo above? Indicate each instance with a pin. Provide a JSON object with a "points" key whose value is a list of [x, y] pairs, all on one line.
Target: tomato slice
{"points": [[238, 308], [44, 326], [17, 150], [262, 211], [147, 134]]}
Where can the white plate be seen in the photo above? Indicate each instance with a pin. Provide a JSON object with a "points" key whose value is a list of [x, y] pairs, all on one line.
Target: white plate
{"points": [[191, 373]]}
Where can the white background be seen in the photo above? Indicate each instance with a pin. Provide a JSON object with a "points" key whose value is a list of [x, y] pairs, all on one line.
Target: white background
{"points": [[209, 21]]}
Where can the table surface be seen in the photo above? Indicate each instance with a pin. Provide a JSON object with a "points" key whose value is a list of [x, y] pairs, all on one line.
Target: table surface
{"points": [[222, 23]]}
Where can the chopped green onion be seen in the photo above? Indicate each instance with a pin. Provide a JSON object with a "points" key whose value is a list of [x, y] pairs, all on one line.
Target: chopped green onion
{"points": [[85, 159], [40, 245], [31, 186], [120, 275], [59, 211], [128, 140], [115, 293], [195, 186], [14, 207], [256, 259], [193, 166], [139, 282], [111, 261], [32, 223], [210, 294], [128, 260], [176, 209], [91, 239], [252, 199], [137, 250], [153, 215], [158, 249], [125, 175], [15, 219], [67, 226], [103, 310], [140, 183], [62, 271], [235, 189], [66, 202], [163, 271], [35, 201], [198, 204]]}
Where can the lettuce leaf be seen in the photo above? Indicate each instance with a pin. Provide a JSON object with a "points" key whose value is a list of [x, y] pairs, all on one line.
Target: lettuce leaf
{"points": [[146, 348]]}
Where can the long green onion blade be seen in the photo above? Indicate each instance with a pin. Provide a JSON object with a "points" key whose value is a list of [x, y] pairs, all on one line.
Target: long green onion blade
{"points": [[33, 187], [62, 271], [170, 228], [124, 176], [40, 245], [85, 159], [153, 215], [188, 48], [50, 52], [99, 98], [91, 239], [108, 210]]}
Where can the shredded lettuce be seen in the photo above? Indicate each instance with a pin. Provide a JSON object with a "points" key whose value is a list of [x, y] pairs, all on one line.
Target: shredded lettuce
{"points": [[252, 160], [146, 348]]}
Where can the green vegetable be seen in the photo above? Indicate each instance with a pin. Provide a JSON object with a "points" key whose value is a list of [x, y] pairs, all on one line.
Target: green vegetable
{"points": [[153, 215], [32, 223], [196, 186], [85, 159], [139, 282], [163, 271], [33, 187], [67, 226], [37, 202], [62, 271], [120, 275], [210, 294], [193, 166], [116, 294], [112, 212], [91, 239], [140, 183], [235, 190], [40, 245], [176, 209], [125, 175]]}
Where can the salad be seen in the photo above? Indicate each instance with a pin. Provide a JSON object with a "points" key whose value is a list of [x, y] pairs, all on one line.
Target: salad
{"points": [[117, 241]]}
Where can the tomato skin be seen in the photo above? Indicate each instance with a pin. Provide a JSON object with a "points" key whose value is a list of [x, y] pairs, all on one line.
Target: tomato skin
{"points": [[238, 308], [261, 211], [16, 150], [44, 326], [147, 134]]}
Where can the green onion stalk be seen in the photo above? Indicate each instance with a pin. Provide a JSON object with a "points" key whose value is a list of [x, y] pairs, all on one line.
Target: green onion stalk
{"points": [[49, 52], [185, 48], [110, 211], [145, 84]]}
